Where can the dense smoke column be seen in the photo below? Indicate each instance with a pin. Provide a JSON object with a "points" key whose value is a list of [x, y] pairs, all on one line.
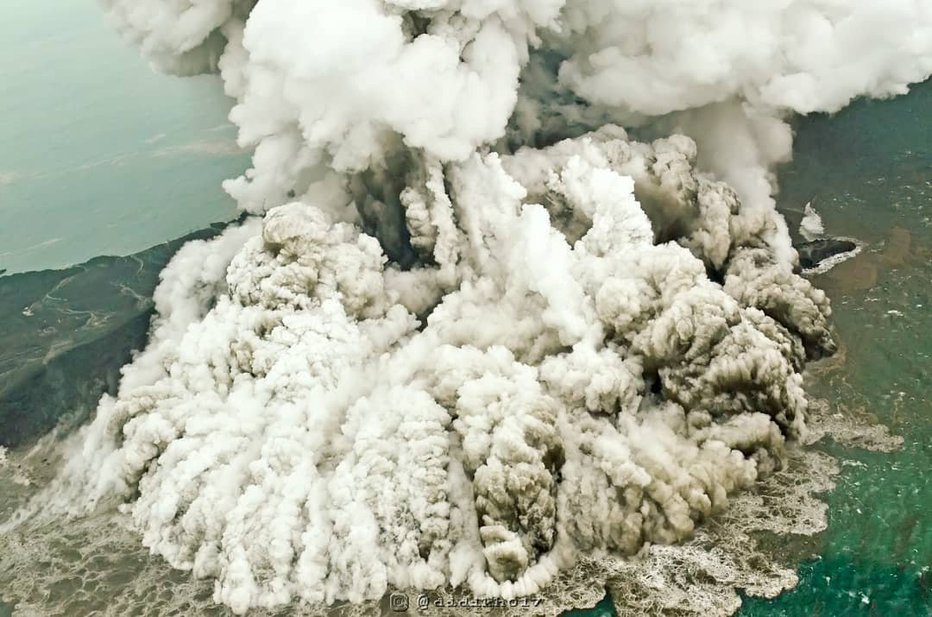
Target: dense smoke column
{"points": [[480, 417], [441, 357]]}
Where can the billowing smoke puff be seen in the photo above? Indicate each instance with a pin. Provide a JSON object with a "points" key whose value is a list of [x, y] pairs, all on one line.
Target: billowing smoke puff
{"points": [[457, 349]]}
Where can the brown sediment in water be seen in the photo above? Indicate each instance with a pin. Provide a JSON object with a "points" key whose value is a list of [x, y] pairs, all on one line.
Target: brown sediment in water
{"points": [[862, 272], [898, 247], [857, 274], [830, 364]]}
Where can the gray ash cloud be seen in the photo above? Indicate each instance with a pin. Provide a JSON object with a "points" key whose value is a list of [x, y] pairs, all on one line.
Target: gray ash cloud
{"points": [[441, 357]]}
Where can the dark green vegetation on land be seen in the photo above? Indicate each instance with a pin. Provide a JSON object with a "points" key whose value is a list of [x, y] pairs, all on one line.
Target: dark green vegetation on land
{"points": [[64, 334]]}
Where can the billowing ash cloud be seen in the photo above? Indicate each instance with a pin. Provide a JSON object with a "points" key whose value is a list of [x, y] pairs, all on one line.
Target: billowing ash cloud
{"points": [[456, 348]]}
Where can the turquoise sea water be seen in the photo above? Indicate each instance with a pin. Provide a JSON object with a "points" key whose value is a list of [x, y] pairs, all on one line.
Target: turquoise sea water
{"points": [[98, 154], [869, 172]]}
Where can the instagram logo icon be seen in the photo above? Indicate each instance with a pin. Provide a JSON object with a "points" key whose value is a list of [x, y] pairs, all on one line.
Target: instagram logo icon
{"points": [[398, 602]]}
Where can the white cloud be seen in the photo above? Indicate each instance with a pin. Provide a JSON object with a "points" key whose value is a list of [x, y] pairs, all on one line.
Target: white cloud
{"points": [[591, 345]]}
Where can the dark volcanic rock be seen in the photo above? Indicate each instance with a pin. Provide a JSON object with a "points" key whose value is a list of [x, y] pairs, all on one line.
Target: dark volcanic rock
{"points": [[64, 334], [811, 254]]}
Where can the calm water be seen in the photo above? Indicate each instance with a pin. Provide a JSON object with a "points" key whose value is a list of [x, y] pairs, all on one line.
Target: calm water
{"points": [[99, 155]]}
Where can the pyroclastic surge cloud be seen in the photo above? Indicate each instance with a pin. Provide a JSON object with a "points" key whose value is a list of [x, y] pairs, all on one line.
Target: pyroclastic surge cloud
{"points": [[475, 330]]}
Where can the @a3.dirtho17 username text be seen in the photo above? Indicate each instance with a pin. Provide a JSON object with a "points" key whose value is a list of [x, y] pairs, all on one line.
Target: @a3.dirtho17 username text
{"points": [[401, 602]]}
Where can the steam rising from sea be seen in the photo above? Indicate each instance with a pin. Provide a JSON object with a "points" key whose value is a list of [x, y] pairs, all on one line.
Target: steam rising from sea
{"points": [[477, 336]]}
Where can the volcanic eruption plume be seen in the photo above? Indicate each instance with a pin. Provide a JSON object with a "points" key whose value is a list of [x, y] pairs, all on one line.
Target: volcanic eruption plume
{"points": [[476, 329]]}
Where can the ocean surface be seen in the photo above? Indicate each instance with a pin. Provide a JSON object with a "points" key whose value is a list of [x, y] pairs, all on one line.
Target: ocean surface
{"points": [[868, 171], [98, 155]]}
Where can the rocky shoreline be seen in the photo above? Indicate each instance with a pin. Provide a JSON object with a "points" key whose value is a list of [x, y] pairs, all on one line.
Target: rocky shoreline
{"points": [[816, 253]]}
